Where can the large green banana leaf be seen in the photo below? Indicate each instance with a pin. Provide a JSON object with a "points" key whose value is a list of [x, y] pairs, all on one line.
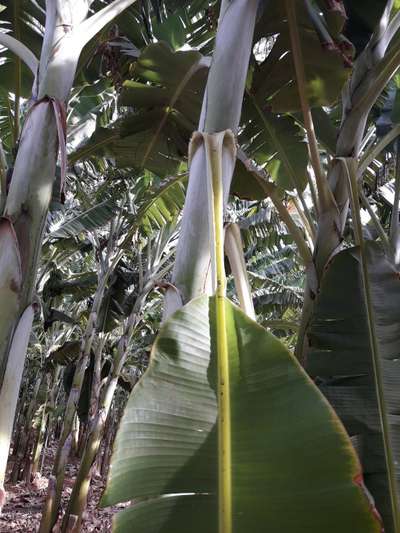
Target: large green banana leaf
{"points": [[172, 21], [293, 468], [340, 359], [276, 143], [90, 220], [162, 207], [326, 59], [164, 112]]}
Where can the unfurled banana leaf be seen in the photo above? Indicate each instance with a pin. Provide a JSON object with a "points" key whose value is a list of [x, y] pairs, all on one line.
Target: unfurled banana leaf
{"points": [[127, 150], [163, 207], [325, 51], [165, 95], [89, 220], [275, 142], [66, 353], [169, 21], [165, 69], [293, 468], [340, 359]]}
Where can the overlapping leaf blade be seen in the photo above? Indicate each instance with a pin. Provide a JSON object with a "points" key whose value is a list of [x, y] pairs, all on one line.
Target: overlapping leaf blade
{"points": [[165, 114]]}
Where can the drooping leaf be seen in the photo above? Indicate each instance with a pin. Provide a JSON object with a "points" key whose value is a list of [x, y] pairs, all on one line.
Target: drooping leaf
{"points": [[326, 62], [165, 97], [113, 305], [83, 405], [244, 185], [91, 219], [290, 472], [66, 353], [325, 130], [340, 358], [275, 142], [79, 285], [55, 315], [128, 150]]}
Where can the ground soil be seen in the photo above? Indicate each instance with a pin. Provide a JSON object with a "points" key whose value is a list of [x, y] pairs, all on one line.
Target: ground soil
{"points": [[23, 508]]}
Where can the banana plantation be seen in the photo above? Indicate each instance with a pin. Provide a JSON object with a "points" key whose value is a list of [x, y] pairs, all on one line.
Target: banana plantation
{"points": [[200, 266]]}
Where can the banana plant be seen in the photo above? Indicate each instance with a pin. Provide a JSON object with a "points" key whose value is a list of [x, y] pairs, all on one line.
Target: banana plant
{"points": [[372, 70], [108, 260], [361, 370], [68, 28], [213, 375], [156, 266], [340, 187], [212, 437]]}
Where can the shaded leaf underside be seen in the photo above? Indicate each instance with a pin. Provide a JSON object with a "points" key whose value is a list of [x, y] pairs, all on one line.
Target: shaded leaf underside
{"points": [[290, 471], [340, 359]]}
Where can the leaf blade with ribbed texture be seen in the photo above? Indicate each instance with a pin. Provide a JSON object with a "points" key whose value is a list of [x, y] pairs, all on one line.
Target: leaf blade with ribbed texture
{"points": [[293, 467], [340, 358], [91, 219]]}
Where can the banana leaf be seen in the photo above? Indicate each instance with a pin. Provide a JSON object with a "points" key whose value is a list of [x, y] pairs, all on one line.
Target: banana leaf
{"points": [[326, 54], [340, 359], [91, 219], [276, 143], [165, 112], [66, 353], [162, 208], [293, 467], [26, 21]]}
